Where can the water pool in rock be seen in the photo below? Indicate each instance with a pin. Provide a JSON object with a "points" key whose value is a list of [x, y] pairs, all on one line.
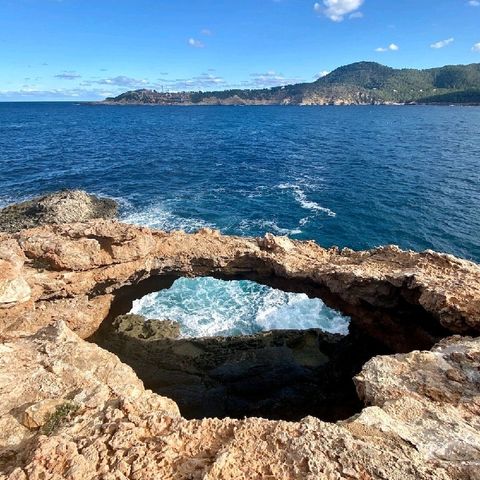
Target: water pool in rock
{"points": [[207, 307]]}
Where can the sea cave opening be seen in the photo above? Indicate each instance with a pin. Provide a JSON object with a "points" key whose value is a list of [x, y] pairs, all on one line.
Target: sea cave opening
{"points": [[256, 347]]}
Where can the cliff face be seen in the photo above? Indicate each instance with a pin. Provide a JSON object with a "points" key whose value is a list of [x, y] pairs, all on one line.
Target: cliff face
{"points": [[69, 409], [361, 83]]}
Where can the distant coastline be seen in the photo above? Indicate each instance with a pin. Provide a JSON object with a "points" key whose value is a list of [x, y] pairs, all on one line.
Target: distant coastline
{"points": [[104, 103], [362, 83]]}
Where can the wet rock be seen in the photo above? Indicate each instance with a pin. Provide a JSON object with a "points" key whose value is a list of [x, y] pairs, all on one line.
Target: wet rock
{"points": [[68, 206], [137, 326]]}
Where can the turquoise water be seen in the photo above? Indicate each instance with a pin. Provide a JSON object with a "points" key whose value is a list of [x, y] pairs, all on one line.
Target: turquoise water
{"points": [[348, 176], [206, 307]]}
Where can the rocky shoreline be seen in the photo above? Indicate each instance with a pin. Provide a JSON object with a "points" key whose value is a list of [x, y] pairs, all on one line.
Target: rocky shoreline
{"points": [[71, 409], [62, 207]]}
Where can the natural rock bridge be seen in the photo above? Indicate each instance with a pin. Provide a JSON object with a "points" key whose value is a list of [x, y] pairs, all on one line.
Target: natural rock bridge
{"points": [[62, 283]]}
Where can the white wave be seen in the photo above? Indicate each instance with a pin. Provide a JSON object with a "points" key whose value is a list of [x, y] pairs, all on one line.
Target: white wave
{"points": [[156, 216], [15, 125], [6, 201], [257, 192], [300, 196], [211, 307], [304, 221], [264, 226]]}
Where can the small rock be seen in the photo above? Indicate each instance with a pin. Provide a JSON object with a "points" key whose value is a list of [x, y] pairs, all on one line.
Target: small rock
{"points": [[146, 329], [273, 243], [16, 290], [36, 415]]}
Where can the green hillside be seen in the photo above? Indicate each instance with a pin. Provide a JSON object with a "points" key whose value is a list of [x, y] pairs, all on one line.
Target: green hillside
{"points": [[358, 83]]}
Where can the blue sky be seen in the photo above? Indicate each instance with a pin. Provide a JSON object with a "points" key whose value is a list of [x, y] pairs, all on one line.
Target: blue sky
{"points": [[89, 49]]}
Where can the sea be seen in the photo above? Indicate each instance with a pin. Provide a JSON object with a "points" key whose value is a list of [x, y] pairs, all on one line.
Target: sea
{"points": [[357, 176]]}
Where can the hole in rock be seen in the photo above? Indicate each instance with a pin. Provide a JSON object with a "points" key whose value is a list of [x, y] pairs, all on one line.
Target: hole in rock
{"points": [[236, 348]]}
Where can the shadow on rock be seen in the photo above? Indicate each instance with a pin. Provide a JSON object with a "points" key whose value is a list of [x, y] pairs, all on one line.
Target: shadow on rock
{"points": [[282, 374]]}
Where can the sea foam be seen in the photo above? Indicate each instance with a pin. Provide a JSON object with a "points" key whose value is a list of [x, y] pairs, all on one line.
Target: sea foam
{"points": [[159, 217], [265, 226], [301, 197], [211, 307]]}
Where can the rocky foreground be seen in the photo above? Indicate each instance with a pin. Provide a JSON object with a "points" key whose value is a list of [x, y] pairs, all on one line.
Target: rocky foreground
{"points": [[71, 409]]}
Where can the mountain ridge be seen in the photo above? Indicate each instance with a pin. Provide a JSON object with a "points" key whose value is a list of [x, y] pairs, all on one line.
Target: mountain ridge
{"points": [[360, 83]]}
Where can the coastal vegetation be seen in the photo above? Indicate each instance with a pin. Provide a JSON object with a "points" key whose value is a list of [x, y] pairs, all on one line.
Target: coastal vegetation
{"points": [[54, 421], [355, 84]]}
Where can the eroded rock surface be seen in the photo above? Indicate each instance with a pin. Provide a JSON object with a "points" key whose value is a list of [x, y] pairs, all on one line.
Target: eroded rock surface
{"points": [[59, 283], [61, 207], [423, 422], [73, 272], [279, 374], [137, 327]]}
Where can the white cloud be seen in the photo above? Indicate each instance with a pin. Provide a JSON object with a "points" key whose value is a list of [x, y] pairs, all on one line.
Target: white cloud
{"points": [[476, 47], [442, 43], [193, 42], [336, 10], [37, 93], [391, 48], [121, 81], [474, 3], [70, 75], [321, 74]]}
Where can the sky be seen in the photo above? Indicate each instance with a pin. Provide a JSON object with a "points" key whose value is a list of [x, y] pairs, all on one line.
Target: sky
{"points": [[91, 49]]}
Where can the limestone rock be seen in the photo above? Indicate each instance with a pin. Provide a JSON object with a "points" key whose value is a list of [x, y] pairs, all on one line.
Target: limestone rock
{"points": [[14, 289], [270, 242], [36, 415], [36, 372], [421, 419], [122, 431], [63, 207], [137, 326], [279, 374], [429, 399], [408, 294]]}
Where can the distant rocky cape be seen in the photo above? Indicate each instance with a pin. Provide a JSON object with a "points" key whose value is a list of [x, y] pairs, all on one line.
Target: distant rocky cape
{"points": [[362, 83]]}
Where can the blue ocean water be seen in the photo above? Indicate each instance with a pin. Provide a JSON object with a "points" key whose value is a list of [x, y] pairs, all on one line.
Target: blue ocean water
{"points": [[348, 176]]}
